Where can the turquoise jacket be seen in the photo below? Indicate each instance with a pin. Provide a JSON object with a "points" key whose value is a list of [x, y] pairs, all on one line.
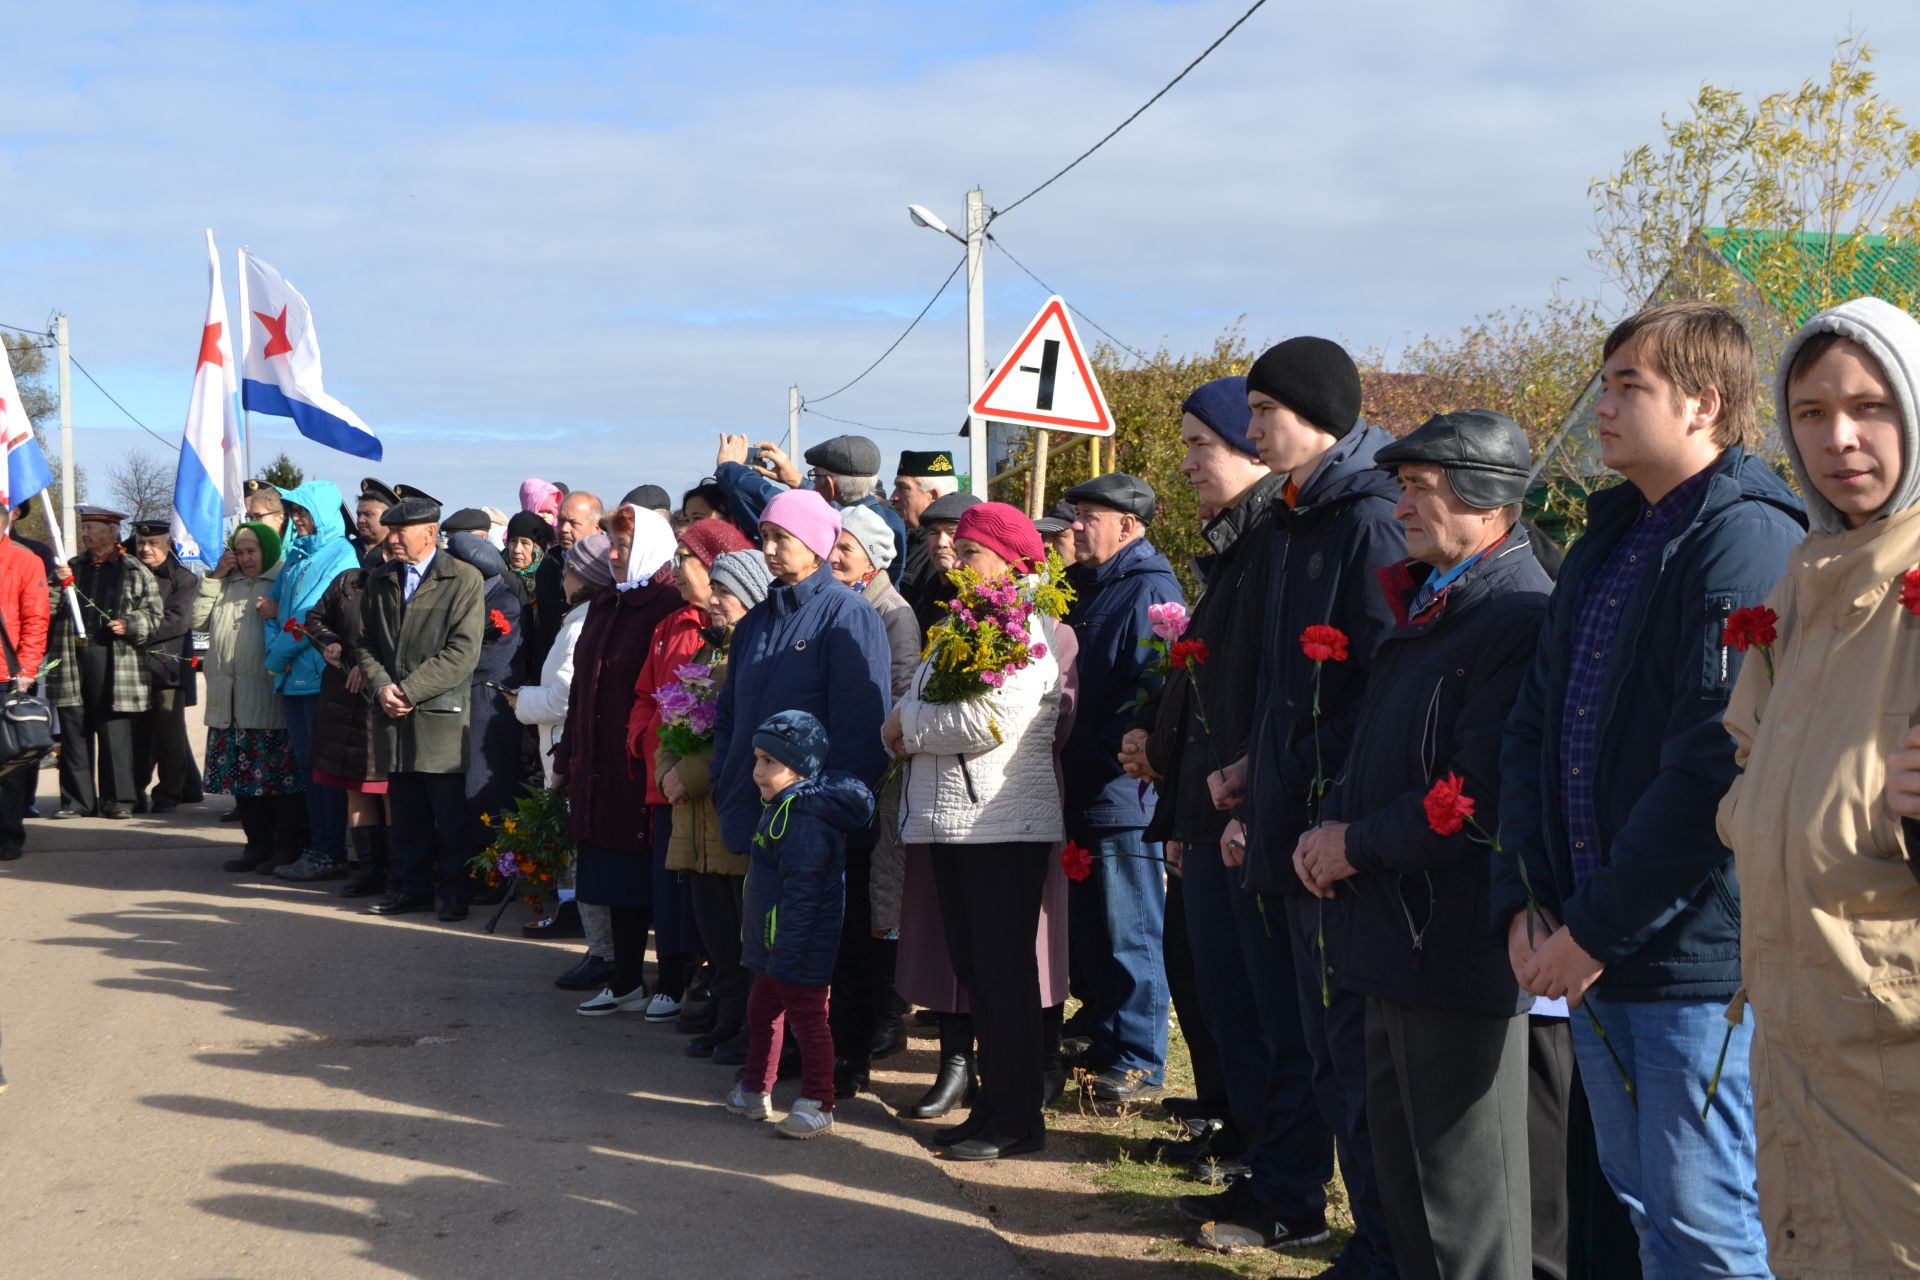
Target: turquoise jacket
{"points": [[313, 561]]}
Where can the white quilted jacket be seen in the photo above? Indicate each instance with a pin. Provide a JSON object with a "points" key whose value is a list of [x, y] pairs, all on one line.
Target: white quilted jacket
{"points": [[965, 784]]}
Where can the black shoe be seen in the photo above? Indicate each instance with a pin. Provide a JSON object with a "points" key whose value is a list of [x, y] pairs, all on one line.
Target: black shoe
{"points": [[889, 1038], [696, 1017], [231, 815], [1053, 1078], [1257, 1227], [563, 923], [64, 812], [140, 805], [591, 974], [987, 1147], [704, 1045], [1192, 1109], [452, 909], [953, 1087], [1115, 1086], [366, 884], [117, 813], [849, 1078], [163, 806], [9, 855], [248, 861], [400, 904], [1219, 1205], [960, 1132], [731, 1053], [927, 1018], [277, 859]]}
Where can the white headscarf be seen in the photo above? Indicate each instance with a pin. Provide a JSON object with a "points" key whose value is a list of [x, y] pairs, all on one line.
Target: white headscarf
{"points": [[653, 545]]}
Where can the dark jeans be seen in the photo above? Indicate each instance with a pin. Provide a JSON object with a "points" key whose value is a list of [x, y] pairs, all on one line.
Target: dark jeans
{"points": [[83, 734], [1549, 1086], [1115, 920], [160, 743], [775, 1007], [1209, 1081], [675, 936], [326, 806], [718, 909], [1337, 1039], [429, 819], [1244, 964], [863, 967], [990, 906], [1447, 1111], [16, 793]]}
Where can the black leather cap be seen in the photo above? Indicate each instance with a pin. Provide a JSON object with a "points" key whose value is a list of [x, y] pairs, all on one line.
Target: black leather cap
{"points": [[948, 506], [413, 508], [846, 456], [1127, 494], [1486, 455], [467, 520]]}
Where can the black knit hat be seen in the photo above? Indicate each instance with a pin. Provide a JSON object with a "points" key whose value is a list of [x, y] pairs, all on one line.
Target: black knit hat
{"points": [[1313, 377], [525, 524]]}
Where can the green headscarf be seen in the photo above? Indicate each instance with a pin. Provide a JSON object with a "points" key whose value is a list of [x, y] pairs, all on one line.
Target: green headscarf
{"points": [[269, 543]]}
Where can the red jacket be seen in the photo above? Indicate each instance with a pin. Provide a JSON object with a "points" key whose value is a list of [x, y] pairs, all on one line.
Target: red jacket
{"points": [[24, 604], [675, 641]]}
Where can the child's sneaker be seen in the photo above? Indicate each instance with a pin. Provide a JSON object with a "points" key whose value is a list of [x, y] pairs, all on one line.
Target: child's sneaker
{"points": [[754, 1106], [806, 1120]]}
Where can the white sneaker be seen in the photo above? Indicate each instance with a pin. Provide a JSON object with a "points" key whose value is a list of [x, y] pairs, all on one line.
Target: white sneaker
{"points": [[607, 1002], [662, 1008], [754, 1106], [806, 1120]]}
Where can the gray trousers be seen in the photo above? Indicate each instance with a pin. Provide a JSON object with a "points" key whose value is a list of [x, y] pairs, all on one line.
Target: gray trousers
{"points": [[1447, 1107]]}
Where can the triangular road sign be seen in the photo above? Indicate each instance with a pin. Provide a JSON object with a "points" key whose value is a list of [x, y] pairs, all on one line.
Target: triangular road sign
{"points": [[1045, 381]]}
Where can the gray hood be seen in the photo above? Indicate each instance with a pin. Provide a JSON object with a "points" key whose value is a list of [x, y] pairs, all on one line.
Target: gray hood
{"points": [[1892, 337]]}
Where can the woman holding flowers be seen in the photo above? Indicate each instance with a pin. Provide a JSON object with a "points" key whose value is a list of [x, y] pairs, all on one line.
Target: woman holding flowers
{"points": [[976, 731], [249, 755]]}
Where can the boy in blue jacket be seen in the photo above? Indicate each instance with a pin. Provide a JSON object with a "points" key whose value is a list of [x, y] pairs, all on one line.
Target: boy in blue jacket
{"points": [[795, 906]]}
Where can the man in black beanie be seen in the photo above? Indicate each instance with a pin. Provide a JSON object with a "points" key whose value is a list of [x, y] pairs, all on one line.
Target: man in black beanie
{"points": [[1334, 531]]}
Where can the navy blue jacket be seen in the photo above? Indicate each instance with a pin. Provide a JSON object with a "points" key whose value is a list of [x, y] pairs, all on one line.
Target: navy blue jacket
{"points": [[796, 893], [816, 646], [493, 778], [1327, 551], [1413, 926], [748, 493], [1662, 912], [1109, 619]]}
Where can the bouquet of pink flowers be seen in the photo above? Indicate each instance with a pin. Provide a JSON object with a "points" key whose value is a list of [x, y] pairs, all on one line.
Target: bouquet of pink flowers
{"points": [[687, 710]]}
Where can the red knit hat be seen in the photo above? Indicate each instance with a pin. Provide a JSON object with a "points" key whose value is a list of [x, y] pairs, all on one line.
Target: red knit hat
{"points": [[1004, 530], [712, 537]]}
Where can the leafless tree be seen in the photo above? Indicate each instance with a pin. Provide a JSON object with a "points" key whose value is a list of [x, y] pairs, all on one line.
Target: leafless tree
{"points": [[143, 485]]}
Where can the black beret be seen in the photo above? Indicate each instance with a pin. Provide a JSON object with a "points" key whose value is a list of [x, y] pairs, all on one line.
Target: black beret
{"points": [[947, 506], [467, 520], [1127, 494], [846, 456], [373, 490], [525, 524], [925, 462], [1486, 455], [648, 497], [411, 509]]}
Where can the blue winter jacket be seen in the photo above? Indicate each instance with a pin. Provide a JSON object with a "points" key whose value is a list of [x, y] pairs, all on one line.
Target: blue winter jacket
{"points": [[796, 892], [1109, 619], [1663, 909], [816, 646], [313, 561], [748, 493], [1327, 551]]}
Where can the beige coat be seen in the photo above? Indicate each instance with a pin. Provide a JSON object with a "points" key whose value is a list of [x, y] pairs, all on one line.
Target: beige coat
{"points": [[1830, 930], [240, 693]]}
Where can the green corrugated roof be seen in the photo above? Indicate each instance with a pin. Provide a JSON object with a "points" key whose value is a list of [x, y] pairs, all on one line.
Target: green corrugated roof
{"points": [[1876, 265]]}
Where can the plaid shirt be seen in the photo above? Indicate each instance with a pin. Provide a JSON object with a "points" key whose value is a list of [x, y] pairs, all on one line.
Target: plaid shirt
{"points": [[137, 603], [1595, 630]]}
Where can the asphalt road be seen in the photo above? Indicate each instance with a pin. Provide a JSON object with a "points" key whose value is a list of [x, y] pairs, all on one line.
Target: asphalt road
{"points": [[231, 1076]]}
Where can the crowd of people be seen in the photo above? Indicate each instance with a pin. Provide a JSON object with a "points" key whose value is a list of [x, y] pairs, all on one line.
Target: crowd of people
{"points": [[1587, 944]]}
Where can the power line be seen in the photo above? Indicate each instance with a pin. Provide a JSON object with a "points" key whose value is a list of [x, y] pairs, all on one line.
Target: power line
{"points": [[903, 335], [171, 444], [1130, 119], [1077, 311], [865, 426]]}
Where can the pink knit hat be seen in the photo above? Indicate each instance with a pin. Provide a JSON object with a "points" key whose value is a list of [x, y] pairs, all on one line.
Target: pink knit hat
{"points": [[806, 515], [1004, 530], [539, 497]]}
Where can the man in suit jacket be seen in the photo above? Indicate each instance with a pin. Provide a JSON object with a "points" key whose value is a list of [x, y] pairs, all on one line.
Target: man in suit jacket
{"points": [[422, 620], [160, 736]]}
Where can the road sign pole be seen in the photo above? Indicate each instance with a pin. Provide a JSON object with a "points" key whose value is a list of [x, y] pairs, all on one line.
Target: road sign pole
{"points": [[1038, 502], [977, 340]]}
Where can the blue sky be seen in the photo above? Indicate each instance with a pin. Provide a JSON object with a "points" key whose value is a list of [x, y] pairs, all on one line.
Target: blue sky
{"points": [[579, 240]]}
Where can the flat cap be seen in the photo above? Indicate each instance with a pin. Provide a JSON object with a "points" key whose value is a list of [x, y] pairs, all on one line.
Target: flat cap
{"points": [[467, 520], [372, 490], [413, 509], [648, 497], [1129, 495], [87, 511], [1059, 518], [1486, 455], [925, 462], [948, 506], [846, 456]]}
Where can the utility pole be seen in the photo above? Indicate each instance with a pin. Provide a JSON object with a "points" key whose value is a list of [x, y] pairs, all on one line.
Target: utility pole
{"points": [[977, 340], [66, 429], [793, 423]]}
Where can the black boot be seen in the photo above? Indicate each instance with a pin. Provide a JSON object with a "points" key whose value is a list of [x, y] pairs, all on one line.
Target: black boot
{"points": [[1053, 1063], [849, 1077], [370, 846], [256, 819], [955, 1084]]}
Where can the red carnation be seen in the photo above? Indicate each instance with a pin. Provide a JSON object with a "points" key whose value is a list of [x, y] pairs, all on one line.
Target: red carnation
{"points": [[1748, 628], [501, 627], [293, 628], [1076, 862], [1448, 805], [1910, 591], [1324, 644], [1187, 654]]}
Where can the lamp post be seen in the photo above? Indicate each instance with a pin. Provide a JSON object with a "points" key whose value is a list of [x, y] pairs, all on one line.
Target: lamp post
{"points": [[976, 242]]}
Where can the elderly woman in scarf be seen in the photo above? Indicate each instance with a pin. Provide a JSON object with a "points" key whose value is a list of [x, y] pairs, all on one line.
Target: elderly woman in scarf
{"points": [[610, 821]]}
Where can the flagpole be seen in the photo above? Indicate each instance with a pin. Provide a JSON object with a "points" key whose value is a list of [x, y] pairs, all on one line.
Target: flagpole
{"points": [[63, 572], [246, 341]]}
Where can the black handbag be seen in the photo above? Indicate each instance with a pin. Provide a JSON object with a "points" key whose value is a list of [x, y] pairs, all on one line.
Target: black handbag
{"points": [[26, 721]]}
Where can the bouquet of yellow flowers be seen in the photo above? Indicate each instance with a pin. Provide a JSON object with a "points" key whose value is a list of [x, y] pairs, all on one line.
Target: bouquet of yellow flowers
{"points": [[983, 639], [531, 845]]}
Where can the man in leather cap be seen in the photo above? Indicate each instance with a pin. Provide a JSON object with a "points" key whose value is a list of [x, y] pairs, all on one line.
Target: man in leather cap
{"points": [[160, 736]]}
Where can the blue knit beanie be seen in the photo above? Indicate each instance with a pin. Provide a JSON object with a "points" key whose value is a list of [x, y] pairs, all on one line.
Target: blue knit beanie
{"points": [[1222, 405], [795, 739]]}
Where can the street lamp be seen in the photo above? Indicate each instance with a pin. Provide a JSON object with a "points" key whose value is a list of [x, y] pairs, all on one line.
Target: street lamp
{"points": [[975, 240]]}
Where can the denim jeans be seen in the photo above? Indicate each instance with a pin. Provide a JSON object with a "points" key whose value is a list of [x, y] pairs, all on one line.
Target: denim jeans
{"points": [[1688, 1184], [1115, 918], [326, 806]]}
